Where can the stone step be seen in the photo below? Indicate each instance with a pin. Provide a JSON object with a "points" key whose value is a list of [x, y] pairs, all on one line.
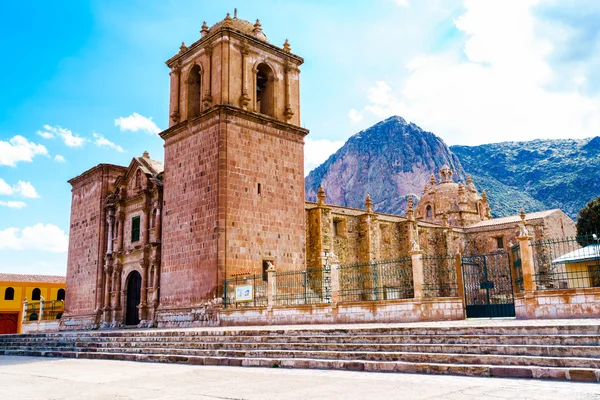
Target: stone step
{"points": [[409, 356], [562, 340], [328, 330], [496, 349], [561, 373]]}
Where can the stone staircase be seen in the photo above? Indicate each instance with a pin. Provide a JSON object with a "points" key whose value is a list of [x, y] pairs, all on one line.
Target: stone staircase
{"points": [[570, 352]]}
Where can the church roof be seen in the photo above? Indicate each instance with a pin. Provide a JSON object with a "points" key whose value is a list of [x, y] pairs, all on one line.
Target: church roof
{"points": [[513, 219], [241, 25], [31, 278]]}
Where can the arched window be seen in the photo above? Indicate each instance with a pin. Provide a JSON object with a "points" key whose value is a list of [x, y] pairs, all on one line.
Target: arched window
{"points": [[60, 295], [33, 317], [59, 315], [36, 294], [265, 91], [429, 212], [9, 294], [193, 100]]}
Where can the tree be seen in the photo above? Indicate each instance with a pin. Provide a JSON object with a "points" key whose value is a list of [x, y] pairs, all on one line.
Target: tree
{"points": [[588, 220]]}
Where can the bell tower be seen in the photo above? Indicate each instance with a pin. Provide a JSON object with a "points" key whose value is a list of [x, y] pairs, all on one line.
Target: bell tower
{"points": [[234, 162]]}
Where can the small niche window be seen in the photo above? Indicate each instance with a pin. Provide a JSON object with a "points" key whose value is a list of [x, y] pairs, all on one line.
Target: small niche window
{"points": [[60, 296], [194, 92], [386, 236], [9, 294], [500, 242], [429, 212], [135, 229], [259, 189], [36, 294], [265, 267], [339, 227]]}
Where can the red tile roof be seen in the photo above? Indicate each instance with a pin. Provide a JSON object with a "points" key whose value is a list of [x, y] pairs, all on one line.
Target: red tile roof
{"points": [[32, 278]]}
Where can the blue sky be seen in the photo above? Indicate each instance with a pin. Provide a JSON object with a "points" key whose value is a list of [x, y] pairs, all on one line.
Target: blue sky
{"points": [[85, 82]]}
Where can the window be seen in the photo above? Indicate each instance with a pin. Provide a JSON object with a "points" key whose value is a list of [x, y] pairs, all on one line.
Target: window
{"points": [[265, 267], [9, 294], [259, 189], [36, 294], [135, 229], [33, 317], [500, 242], [339, 227], [594, 272], [60, 295], [265, 94], [194, 92], [429, 212]]}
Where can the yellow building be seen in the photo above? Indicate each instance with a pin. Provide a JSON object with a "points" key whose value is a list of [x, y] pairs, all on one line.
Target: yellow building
{"points": [[15, 288]]}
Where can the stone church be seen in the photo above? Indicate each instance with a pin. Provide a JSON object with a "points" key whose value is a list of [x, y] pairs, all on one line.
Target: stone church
{"points": [[150, 243]]}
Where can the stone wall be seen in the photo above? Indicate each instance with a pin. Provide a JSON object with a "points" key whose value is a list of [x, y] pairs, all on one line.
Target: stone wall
{"points": [[410, 310], [87, 244], [563, 303]]}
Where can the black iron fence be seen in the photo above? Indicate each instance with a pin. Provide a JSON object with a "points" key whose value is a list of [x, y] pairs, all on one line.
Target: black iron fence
{"points": [[567, 263], [376, 280], [245, 291], [310, 286], [51, 310], [439, 273]]}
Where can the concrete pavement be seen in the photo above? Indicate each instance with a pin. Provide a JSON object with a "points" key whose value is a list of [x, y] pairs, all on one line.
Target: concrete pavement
{"points": [[42, 378]]}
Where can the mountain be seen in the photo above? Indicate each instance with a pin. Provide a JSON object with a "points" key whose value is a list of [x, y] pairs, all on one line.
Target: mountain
{"points": [[388, 161], [394, 158], [540, 174]]}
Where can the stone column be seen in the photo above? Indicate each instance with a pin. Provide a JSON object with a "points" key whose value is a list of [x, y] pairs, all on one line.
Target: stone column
{"points": [[121, 232], [175, 83], [527, 265], [144, 291], [146, 228], [117, 299], [110, 220], [335, 280], [41, 317], [157, 224], [271, 285], [107, 290], [418, 276], [25, 310]]}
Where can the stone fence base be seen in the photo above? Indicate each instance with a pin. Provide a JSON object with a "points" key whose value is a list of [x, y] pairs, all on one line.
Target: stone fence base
{"points": [[78, 322], [562, 303], [40, 326], [409, 310]]}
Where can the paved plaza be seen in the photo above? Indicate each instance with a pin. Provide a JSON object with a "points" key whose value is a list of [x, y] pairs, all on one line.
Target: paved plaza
{"points": [[43, 378]]}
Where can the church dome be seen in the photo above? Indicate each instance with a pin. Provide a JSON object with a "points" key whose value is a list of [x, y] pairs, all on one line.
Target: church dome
{"points": [[451, 203], [241, 25]]}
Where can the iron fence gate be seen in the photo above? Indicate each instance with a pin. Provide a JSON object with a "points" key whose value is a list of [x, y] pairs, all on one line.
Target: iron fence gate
{"points": [[488, 285]]}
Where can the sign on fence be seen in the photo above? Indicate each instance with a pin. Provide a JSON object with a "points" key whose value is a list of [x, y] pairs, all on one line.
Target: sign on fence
{"points": [[244, 293]]}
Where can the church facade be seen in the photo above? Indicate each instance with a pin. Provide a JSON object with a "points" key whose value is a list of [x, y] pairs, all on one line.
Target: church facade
{"points": [[150, 244]]}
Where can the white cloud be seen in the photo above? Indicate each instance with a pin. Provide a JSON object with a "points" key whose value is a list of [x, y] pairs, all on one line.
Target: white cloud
{"points": [[26, 189], [497, 87], [38, 237], [355, 116], [136, 122], [101, 141], [403, 3], [317, 152], [5, 188], [68, 137], [19, 149], [59, 158], [45, 134], [11, 204]]}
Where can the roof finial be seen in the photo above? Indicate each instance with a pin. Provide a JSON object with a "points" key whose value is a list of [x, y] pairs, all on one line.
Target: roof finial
{"points": [[146, 154], [204, 30], [257, 28], [227, 20], [183, 47], [432, 180], [522, 214], [235, 13], [369, 204], [321, 196], [286, 46]]}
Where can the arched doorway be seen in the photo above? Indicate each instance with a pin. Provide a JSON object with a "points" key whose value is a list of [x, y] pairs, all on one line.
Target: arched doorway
{"points": [[8, 323], [134, 287]]}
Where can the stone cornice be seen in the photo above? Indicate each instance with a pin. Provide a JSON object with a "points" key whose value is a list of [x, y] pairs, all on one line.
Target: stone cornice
{"points": [[227, 110], [100, 167], [171, 62]]}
